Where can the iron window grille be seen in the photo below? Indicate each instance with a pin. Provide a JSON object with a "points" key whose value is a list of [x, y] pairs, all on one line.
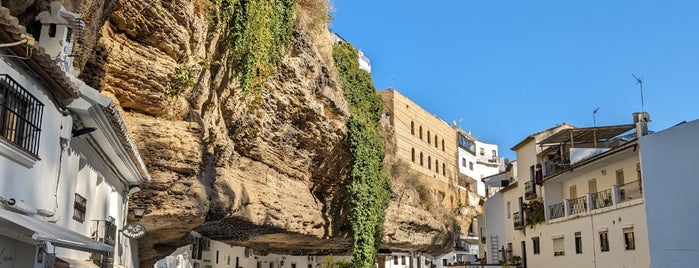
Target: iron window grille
{"points": [[20, 116], [79, 208]]}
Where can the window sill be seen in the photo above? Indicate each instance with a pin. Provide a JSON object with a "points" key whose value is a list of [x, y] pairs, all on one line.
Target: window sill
{"points": [[21, 157]]}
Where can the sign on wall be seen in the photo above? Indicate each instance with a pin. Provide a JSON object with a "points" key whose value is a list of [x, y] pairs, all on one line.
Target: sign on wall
{"points": [[134, 231]]}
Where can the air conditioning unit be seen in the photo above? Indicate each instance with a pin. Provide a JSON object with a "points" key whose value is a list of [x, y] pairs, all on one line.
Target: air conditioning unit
{"points": [[248, 253], [311, 258]]}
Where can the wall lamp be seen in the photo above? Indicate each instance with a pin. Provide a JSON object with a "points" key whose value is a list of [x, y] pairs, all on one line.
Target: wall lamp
{"points": [[138, 212]]}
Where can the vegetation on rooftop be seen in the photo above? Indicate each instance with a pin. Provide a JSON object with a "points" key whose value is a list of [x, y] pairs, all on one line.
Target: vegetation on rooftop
{"points": [[369, 187]]}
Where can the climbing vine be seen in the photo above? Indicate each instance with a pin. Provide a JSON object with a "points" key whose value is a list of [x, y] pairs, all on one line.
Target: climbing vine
{"points": [[369, 186], [534, 213], [257, 31]]}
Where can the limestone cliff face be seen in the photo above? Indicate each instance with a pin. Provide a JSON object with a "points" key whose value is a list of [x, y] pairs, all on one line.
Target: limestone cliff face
{"points": [[268, 174]]}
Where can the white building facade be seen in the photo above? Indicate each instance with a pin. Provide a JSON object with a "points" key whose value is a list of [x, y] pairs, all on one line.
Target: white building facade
{"points": [[67, 163]]}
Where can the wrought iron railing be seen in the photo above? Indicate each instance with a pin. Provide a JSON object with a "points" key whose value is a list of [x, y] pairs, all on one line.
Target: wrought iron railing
{"points": [[557, 210], [601, 199], [630, 191], [577, 205], [518, 220], [20, 115]]}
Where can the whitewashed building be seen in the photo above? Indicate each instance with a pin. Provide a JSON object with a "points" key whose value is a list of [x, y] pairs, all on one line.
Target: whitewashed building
{"points": [[67, 164], [204, 252], [599, 197]]}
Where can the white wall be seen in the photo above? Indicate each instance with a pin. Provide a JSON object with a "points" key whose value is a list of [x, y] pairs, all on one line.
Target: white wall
{"points": [[668, 164]]}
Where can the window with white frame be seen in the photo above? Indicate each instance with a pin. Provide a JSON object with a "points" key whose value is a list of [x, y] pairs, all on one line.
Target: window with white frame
{"points": [[79, 208], [603, 241]]}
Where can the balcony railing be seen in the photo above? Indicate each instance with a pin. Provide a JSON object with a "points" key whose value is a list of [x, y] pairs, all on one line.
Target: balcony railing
{"points": [[630, 191], [553, 167], [557, 210], [529, 190], [601, 199], [518, 220], [577, 205]]}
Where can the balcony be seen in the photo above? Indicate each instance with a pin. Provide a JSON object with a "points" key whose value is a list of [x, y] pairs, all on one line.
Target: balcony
{"points": [[530, 190], [577, 205], [629, 191], [557, 210], [554, 167], [619, 196], [601, 199], [518, 220], [104, 231]]}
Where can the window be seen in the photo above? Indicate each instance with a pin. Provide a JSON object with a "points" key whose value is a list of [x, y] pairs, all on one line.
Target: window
{"points": [[536, 246], [429, 137], [509, 214], [495, 153], [412, 128], [629, 239], [412, 155], [465, 144], [470, 165], [52, 30], [436, 165], [558, 247], [429, 162], [420, 158], [435, 141], [620, 177], [592, 186], [573, 192], [442, 145], [578, 243], [217, 257], [463, 162], [402, 260], [444, 169], [69, 34], [482, 151], [395, 260], [421, 132], [603, 241], [638, 171], [79, 208], [444, 262], [20, 116]]}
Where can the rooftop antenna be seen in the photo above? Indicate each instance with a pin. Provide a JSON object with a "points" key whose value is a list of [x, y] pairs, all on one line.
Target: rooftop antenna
{"points": [[639, 81], [594, 117]]}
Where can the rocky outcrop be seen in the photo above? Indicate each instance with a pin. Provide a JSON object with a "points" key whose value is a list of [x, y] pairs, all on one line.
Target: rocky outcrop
{"points": [[267, 172]]}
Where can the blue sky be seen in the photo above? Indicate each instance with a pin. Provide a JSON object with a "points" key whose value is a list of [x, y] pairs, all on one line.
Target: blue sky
{"points": [[512, 68]]}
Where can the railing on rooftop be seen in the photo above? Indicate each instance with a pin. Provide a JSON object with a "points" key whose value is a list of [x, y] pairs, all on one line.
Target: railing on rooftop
{"points": [[557, 210], [630, 191], [577, 205], [529, 190], [601, 199], [518, 220], [553, 167]]}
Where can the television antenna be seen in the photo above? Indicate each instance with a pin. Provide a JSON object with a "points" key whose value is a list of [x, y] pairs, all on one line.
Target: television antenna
{"points": [[594, 117], [639, 81]]}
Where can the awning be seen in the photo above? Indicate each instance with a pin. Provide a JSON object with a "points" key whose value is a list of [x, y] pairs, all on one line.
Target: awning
{"points": [[58, 236], [586, 135], [73, 263]]}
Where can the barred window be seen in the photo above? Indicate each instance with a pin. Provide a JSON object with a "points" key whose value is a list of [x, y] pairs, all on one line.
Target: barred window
{"points": [[79, 208], [20, 116]]}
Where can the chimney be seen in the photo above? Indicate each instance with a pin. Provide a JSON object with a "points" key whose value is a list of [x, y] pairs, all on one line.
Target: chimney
{"points": [[60, 30], [641, 119]]}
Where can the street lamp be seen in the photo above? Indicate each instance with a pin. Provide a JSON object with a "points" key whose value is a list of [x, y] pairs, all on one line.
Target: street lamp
{"points": [[138, 212]]}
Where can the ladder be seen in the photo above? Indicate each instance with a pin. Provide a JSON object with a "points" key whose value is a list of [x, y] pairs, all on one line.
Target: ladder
{"points": [[494, 249]]}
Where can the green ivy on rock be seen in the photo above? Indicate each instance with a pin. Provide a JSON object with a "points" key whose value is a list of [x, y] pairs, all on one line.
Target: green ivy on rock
{"points": [[257, 31], [369, 187]]}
